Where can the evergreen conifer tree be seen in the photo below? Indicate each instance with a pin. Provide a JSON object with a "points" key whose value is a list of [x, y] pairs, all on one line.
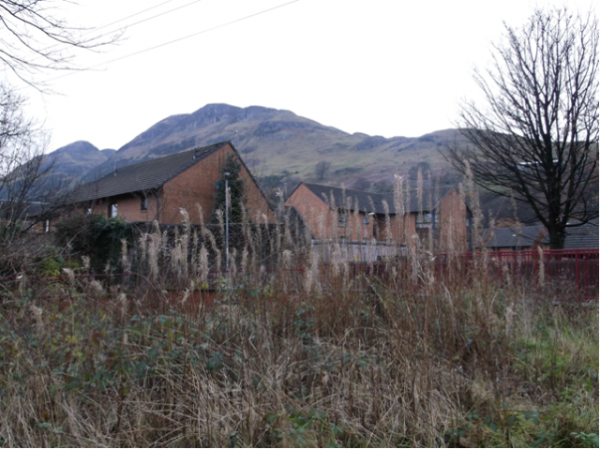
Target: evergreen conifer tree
{"points": [[237, 191]]}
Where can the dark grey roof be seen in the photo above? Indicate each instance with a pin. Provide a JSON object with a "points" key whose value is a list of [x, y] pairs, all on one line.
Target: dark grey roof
{"points": [[347, 198], [430, 199], [144, 176], [367, 201], [582, 237], [513, 237]]}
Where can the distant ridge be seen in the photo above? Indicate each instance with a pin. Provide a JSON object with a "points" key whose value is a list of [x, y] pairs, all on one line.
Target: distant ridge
{"points": [[274, 143]]}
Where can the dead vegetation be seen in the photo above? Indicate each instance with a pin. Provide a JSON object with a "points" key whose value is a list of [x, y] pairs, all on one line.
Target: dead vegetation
{"points": [[397, 354]]}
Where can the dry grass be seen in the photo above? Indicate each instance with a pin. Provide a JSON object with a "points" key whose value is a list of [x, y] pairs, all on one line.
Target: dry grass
{"points": [[404, 354], [437, 365]]}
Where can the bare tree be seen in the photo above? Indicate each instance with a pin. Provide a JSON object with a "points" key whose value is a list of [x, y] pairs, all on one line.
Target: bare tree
{"points": [[537, 136], [321, 169], [27, 194], [33, 38]]}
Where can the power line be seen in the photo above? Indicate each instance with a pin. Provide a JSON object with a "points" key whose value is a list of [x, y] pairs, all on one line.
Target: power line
{"points": [[179, 39], [146, 19], [132, 15], [195, 34], [100, 36]]}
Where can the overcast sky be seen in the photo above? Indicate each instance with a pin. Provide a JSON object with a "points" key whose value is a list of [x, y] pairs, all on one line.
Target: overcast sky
{"points": [[390, 68]]}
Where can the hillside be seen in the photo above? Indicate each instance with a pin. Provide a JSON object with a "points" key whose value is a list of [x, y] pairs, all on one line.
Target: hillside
{"points": [[272, 142], [283, 149], [77, 159]]}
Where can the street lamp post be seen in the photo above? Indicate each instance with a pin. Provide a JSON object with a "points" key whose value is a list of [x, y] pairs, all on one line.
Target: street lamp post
{"points": [[226, 176]]}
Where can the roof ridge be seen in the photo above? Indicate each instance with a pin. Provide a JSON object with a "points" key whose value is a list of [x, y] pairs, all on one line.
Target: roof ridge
{"points": [[162, 158], [145, 176], [346, 189]]}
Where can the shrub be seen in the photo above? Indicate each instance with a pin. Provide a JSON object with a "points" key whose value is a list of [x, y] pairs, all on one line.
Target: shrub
{"points": [[94, 236]]}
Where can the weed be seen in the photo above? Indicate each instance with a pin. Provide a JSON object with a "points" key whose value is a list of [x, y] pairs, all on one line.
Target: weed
{"points": [[402, 354]]}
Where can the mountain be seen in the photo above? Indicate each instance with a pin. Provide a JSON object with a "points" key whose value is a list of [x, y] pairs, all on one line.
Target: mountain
{"points": [[277, 144], [77, 158]]}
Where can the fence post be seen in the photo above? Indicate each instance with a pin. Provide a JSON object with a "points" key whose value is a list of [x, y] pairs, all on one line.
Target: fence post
{"points": [[577, 272]]}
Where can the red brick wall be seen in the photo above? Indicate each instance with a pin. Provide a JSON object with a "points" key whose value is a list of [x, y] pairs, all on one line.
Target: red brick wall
{"points": [[314, 211], [196, 187], [324, 222], [192, 188], [451, 220], [129, 207], [404, 228], [356, 228]]}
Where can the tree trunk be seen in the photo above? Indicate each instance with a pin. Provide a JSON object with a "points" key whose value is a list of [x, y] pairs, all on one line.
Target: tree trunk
{"points": [[557, 237]]}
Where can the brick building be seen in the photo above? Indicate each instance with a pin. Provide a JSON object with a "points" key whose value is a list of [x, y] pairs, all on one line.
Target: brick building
{"points": [[160, 188], [332, 212]]}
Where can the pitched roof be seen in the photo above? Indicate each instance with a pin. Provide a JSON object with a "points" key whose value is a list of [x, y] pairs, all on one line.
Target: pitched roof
{"points": [[144, 176], [514, 237], [430, 199], [582, 237], [367, 202]]}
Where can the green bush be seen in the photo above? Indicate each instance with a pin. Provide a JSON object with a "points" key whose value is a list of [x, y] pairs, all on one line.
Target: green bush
{"points": [[94, 236]]}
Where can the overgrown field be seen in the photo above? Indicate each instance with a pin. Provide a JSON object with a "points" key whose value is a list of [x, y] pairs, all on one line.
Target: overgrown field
{"points": [[336, 363]]}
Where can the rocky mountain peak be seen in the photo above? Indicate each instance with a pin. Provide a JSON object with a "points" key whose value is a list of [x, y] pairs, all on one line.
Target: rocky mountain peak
{"points": [[275, 143], [81, 147]]}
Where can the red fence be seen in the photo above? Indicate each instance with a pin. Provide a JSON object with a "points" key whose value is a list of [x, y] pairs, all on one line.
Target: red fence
{"points": [[571, 271], [565, 274], [568, 269]]}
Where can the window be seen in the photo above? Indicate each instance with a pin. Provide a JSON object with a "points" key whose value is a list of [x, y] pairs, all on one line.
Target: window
{"points": [[424, 223], [425, 220], [342, 218], [144, 203], [112, 210]]}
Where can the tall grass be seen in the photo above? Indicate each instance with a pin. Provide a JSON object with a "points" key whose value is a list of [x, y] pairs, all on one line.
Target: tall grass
{"points": [[398, 354]]}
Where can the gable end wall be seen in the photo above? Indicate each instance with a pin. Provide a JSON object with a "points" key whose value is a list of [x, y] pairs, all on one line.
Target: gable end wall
{"points": [[196, 187]]}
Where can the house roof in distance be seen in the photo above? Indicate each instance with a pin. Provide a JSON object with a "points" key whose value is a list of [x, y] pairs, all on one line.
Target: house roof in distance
{"points": [[367, 201], [144, 176], [582, 237], [514, 237]]}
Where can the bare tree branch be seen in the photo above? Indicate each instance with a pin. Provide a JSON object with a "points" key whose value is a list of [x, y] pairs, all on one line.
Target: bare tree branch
{"points": [[536, 138], [33, 39], [28, 194]]}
